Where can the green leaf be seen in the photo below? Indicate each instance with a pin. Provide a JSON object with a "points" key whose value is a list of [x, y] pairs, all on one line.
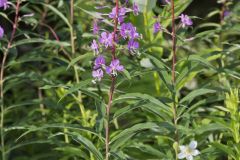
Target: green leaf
{"points": [[140, 96], [76, 87], [39, 40], [96, 15], [50, 126], [199, 59], [88, 145], [147, 149], [29, 142], [126, 134], [224, 148], [196, 93], [77, 59], [68, 150], [55, 10], [210, 128], [128, 108]]}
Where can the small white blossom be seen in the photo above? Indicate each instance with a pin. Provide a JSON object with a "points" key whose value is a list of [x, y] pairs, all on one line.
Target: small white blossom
{"points": [[189, 151]]}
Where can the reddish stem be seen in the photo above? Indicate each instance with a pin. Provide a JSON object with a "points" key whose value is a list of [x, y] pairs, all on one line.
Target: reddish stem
{"points": [[112, 88], [115, 31]]}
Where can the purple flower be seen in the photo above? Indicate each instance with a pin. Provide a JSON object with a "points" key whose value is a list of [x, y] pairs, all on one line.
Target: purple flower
{"points": [[186, 21], [106, 39], [97, 74], [94, 47], [133, 45], [99, 62], [121, 14], [226, 13], [95, 27], [135, 9], [3, 3], [1, 32], [128, 30], [114, 67], [157, 27]]}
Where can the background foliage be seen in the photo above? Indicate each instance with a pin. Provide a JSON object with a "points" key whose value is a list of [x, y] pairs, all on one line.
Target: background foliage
{"points": [[52, 110]]}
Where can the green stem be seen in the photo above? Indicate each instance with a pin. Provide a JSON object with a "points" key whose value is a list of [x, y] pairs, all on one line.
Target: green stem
{"points": [[175, 117], [82, 109], [2, 106], [5, 54]]}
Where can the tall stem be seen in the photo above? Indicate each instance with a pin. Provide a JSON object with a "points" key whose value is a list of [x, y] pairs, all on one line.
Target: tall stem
{"points": [[111, 92], [173, 42], [223, 9], [15, 24], [82, 109], [174, 73], [72, 29], [112, 88]]}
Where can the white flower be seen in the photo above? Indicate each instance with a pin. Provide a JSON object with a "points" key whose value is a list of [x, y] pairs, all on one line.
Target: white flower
{"points": [[188, 151]]}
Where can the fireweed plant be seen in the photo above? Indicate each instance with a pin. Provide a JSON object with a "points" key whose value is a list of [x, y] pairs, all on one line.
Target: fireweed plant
{"points": [[119, 80], [108, 41]]}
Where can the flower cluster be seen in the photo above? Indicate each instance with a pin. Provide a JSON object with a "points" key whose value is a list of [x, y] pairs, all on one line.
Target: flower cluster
{"points": [[186, 21], [127, 30], [106, 41], [121, 14], [100, 66]]}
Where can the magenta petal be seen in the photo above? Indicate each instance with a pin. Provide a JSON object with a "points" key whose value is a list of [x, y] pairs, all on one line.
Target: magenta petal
{"points": [[115, 63], [108, 70], [157, 27], [120, 68], [1, 32], [3, 3], [98, 74], [135, 9], [186, 21], [99, 62]]}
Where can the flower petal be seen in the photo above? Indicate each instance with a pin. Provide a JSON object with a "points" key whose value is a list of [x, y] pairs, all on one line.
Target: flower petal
{"points": [[195, 152], [193, 145], [108, 70], [182, 148], [120, 68], [189, 157], [181, 155]]}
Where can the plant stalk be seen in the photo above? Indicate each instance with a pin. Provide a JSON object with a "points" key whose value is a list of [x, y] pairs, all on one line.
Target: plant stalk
{"points": [[112, 88], [174, 73], [82, 109], [5, 54]]}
